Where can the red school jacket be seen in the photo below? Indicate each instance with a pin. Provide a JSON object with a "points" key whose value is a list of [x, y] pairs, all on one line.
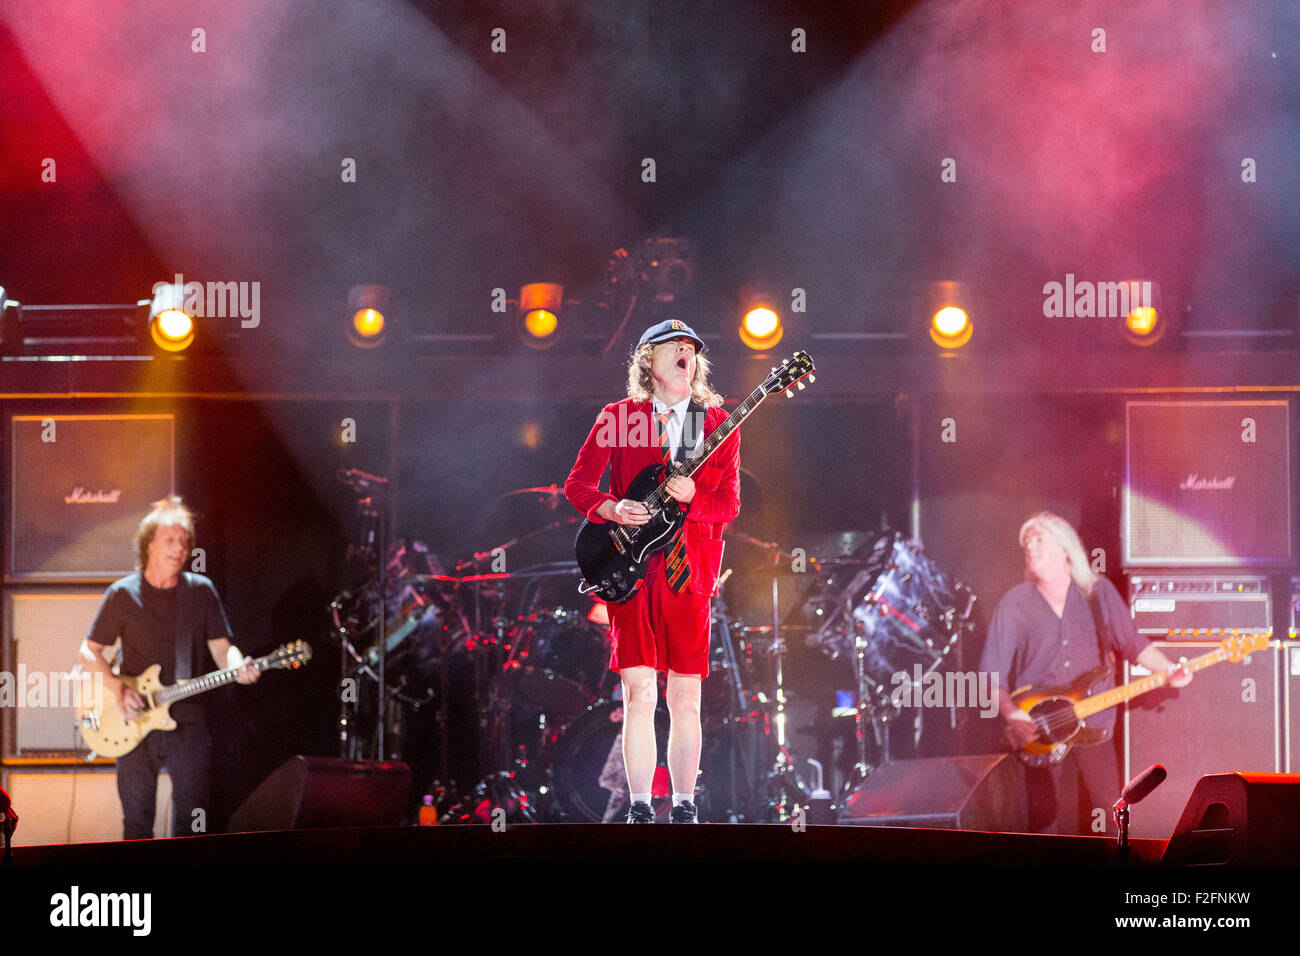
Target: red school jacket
{"points": [[624, 438]]}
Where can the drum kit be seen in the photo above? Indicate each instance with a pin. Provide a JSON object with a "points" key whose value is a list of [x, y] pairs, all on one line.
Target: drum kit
{"points": [[513, 668]]}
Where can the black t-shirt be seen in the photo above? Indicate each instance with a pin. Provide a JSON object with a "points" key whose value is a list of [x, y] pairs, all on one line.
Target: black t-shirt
{"points": [[1028, 644], [147, 619]]}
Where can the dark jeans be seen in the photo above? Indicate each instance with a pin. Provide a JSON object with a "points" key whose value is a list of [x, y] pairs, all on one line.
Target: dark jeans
{"points": [[1062, 799], [186, 753]]}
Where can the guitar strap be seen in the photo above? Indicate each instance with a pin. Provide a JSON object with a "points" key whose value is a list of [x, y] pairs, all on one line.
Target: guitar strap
{"points": [[1099, 624], [692, 431], [183, 634]]}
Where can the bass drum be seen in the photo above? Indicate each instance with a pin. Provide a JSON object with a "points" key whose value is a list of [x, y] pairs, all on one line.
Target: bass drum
{"points": [[589, 777], [559, 662]]}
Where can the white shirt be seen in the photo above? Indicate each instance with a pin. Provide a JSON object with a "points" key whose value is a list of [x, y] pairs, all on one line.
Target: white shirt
{"points": [[675, 422]]}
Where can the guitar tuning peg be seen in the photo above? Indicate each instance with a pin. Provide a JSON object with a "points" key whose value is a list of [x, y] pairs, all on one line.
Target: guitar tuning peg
{"points": [[802, 386], [785, 361], [811, 378], [789, 394]]}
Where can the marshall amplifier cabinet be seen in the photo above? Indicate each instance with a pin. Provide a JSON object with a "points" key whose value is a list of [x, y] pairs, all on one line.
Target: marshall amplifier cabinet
{"points": [[1207, 484], [1230, 717], [1200, 606], [80, 485]]}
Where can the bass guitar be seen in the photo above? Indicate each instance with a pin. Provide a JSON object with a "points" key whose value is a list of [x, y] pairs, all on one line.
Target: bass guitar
{"points": [[612, 557], [1061, 712], [109, 733]]}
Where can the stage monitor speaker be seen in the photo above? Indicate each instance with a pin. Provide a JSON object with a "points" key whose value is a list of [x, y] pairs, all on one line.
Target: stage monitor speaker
{"points": [[983, 792], [1242, 819], [80, 485], [45, 630], [1207, 484], [1228, 718], [306, 793], [75, 806]]}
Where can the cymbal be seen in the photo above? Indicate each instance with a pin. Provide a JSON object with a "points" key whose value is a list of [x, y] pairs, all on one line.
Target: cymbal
{"points": [[554, 491]]}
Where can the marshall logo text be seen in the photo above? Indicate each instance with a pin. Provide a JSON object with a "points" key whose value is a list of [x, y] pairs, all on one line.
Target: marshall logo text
{"points": [[80, 496], [1195, 482]]}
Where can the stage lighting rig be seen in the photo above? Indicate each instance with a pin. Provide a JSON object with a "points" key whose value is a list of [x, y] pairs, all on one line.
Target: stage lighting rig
{"points": [[761, 327]]}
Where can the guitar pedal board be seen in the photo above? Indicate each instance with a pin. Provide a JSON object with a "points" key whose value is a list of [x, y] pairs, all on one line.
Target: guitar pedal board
{"points": [[1201, 606]]}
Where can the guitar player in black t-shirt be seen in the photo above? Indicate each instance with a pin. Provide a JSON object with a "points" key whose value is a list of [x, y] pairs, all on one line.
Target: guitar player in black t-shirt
{"points": [[164, 616]]}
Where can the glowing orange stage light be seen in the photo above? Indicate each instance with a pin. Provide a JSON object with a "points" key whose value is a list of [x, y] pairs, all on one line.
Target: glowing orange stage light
{"points": [[368, 323], [1142, 320], [761, 328], [951, 327], [540, 305], [541, 323], [172, 330]]}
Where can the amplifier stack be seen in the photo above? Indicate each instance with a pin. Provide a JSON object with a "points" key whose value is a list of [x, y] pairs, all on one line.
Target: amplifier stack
{"points": [[1200, 606]]}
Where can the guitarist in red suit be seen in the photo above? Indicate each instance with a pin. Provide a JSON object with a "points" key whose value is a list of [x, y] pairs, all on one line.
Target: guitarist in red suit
{"points": [[1044, 632], [665, 625]]}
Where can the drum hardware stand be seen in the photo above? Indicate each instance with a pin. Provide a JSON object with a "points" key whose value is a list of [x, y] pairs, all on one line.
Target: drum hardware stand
{"points": [[347, 741], [497, 788], [374, 537], [784, 776], [736, 706]]}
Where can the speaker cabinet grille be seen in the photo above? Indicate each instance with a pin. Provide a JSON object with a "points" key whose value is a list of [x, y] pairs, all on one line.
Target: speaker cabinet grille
{"points": [[81, 484], [1228, 718], [1207, 484], [75, 806], [46, 630]]}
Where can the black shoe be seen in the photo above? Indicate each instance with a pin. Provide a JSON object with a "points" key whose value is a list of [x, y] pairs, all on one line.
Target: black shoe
{"points": [[683, 813], [640, 812]]}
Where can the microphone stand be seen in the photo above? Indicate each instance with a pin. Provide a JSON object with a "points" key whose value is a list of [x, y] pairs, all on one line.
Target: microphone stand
{"points": [[1120, 811]]}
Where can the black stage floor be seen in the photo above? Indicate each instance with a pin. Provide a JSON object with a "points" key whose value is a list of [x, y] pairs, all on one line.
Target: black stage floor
{"points": [[704, 843]]}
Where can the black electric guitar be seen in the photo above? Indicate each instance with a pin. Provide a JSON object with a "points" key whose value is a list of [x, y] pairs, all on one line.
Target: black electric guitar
{"points": [[1060, 712], [109, 733], [612, 557]]}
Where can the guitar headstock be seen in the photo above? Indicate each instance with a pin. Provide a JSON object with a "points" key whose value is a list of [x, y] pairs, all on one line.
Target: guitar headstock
{"points": [[1235, 648], [289, 655], [789, 373]]}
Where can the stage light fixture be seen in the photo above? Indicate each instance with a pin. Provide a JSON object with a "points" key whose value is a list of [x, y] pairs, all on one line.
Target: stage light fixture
{"points": [[950, 324], [760, 323], [1144, 325], [540, 305], [170, 326], [368, 327], [11, 336]]}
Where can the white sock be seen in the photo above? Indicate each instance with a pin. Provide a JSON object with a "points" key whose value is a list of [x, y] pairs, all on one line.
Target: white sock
{"points": [[680, 798], [639, 797]]}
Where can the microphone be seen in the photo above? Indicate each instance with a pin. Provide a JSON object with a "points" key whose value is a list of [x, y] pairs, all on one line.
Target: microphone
{"points": [[1137, 788], [1141, 785]]}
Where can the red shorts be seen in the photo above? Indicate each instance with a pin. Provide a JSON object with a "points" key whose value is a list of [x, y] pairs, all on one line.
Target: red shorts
{"points": [[657, 627]]}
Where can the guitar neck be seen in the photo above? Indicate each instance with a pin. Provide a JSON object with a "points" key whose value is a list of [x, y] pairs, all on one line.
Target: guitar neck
{"points": [[1116, 696], [720, 434], [201, 685]]}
